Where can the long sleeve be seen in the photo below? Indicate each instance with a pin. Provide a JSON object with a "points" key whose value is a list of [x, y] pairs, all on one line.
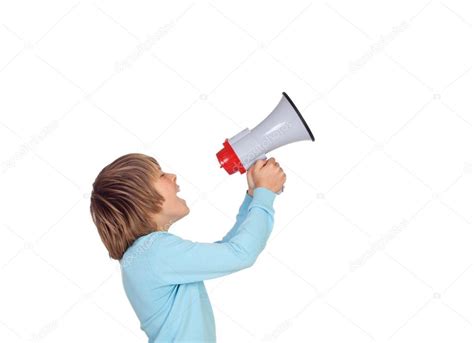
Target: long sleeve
{"points": [[174, 260], [239, 218]]}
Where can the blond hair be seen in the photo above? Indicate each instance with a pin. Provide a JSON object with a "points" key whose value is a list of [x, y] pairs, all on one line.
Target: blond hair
{"points": [[123, 199]]}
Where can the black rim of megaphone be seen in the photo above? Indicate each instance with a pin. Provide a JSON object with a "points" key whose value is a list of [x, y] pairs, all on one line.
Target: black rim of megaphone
{"points": [[299, 114]]}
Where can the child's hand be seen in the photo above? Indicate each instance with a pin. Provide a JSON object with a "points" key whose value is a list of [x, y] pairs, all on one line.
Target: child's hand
{"points": [[267, 174], [250, 180]]}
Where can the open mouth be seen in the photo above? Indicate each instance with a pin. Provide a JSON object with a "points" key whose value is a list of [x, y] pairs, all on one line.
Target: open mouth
{"points": [[178, 189]]}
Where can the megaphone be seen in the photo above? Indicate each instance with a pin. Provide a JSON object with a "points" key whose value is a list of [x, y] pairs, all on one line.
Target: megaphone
{"points": [[284, 125]]}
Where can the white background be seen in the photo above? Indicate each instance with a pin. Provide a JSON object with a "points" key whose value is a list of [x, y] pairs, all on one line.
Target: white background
{"points": [[373, 237]]}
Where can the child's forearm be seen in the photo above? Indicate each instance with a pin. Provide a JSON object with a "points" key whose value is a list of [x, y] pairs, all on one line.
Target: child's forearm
{"points": [[240, 216]]}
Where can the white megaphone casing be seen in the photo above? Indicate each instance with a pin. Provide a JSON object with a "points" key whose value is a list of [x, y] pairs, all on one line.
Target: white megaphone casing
{"points": [[284, 125]]}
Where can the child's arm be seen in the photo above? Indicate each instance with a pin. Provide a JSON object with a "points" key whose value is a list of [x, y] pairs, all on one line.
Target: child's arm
{"points": [[174, 260], [239, 218]]}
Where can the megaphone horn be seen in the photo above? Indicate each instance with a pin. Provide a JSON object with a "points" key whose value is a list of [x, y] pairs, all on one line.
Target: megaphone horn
{"points": [[284, 125]]}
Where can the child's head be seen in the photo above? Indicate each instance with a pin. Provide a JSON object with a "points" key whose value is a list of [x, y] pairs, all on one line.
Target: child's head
{"points": [[132, 197]]}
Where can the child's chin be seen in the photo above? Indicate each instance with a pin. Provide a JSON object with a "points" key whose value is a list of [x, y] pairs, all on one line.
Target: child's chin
{"points": [[186, 209]]}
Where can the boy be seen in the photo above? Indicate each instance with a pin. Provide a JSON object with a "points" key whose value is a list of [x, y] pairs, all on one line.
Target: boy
{"points": [[133, 204]]}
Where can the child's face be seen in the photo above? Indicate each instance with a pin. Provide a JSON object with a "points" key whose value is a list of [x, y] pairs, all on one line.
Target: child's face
{"points": [[174, 207]]}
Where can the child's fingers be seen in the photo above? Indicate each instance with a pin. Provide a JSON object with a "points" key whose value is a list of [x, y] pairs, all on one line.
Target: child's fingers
{"points": [[271, 160], [259, 164]]}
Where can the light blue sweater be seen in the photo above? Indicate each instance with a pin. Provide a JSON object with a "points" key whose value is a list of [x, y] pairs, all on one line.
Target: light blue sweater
{"points": [[163, 274]]}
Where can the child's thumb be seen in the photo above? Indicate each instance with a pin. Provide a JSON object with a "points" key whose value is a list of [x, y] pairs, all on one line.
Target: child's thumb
{"points": [[259, 164]]}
